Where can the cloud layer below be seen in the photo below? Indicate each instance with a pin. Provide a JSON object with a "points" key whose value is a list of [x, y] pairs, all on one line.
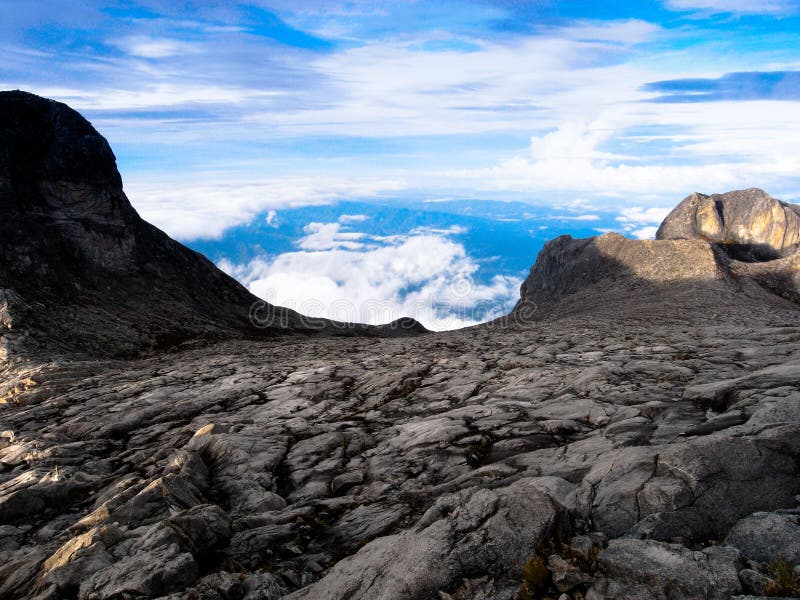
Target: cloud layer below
{"points": [[355, 277]]}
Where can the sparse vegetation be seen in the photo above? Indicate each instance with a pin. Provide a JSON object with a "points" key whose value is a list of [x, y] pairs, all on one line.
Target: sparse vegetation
{"points": [[786, 581], [535, 579]]}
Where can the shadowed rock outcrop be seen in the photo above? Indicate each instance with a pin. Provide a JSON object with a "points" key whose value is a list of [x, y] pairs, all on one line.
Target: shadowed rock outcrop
{"points": [[612, 274], [80, 270], [568, 266], [710, 252]]}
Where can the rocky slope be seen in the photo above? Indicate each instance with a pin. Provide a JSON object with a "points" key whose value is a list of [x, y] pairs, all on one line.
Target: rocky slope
{"points": [[631, 431], [684, 266], [80, 270]]}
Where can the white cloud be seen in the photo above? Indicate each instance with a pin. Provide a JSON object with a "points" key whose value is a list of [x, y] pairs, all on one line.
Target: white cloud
{"points": [[377, 88], [626, 32], [576, 89], [452, 230], [579, 218], [642, 222], [272, 218], [645, 233], [766, 7], [424, 275], [639, 215], [148, 47], [729, 145], [390, 88], [189, 211], [160, 94], [327, 236], [573, 141], [352, 218]]}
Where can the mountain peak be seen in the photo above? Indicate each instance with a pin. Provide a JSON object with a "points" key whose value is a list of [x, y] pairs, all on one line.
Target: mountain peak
{"points": [[708, 252], [752, 225], [45, 140], [80, 270]]}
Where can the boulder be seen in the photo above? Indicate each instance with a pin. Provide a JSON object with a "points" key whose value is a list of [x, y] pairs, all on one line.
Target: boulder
{"points": [[767, 536], [750, 223], [644, 569]]}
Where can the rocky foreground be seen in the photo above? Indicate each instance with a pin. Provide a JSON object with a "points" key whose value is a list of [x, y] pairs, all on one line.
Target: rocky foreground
{"points": [[632, 431]]}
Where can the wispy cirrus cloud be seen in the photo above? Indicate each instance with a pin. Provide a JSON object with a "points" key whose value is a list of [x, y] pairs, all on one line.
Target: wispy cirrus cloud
{"points": [[395, 89], [520, 100], [150, 47], [761, 7]]}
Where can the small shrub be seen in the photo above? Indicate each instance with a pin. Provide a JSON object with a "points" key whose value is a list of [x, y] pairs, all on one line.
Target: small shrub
{"points": [[535, 579], [786, 581]]}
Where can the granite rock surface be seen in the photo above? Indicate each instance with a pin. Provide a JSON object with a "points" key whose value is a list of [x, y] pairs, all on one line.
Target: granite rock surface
{"points": [[631, 430]]}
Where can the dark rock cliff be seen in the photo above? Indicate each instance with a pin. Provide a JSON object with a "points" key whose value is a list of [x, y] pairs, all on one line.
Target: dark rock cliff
{"points": [[79, 269]]}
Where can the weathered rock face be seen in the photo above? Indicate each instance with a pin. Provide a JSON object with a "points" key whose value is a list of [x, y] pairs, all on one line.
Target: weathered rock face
{"points": [[751, 224], [611, 274], [79, 269], [478, 530], [567, 266], [398, 468], [710, 249], [645, 570], [756, 236]]}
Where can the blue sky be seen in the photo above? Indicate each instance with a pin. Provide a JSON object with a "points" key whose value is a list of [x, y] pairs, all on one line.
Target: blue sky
{"points": [[221, 112]]}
